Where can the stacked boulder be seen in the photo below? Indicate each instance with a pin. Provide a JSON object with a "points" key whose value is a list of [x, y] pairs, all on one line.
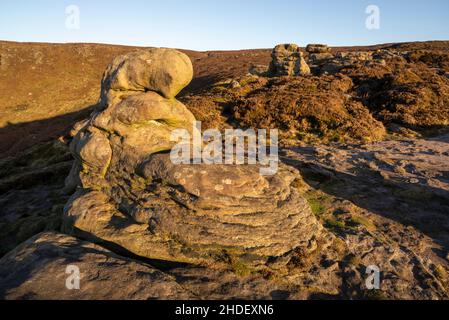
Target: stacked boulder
{"points": [[136, 115], [288, 60], [318, 56], [129, 194]]}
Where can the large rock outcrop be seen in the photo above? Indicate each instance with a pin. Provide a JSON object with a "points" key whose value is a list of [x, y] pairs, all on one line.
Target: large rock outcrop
{"points": [[129, 193], [288, 60]]}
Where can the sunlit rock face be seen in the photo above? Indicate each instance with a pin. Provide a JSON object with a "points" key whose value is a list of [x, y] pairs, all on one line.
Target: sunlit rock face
{"points": [[288, 60], [128, 193]]}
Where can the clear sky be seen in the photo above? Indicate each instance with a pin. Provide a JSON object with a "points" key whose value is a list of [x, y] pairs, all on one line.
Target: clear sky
{"points": [[223, 24]]}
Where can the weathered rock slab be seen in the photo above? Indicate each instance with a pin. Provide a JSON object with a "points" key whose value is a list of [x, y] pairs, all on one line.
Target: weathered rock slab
{"points": [[196, 213], [37, 270]]}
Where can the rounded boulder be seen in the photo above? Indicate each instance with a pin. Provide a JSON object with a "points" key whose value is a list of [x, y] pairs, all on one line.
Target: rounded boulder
{"points": [[165, 71]]}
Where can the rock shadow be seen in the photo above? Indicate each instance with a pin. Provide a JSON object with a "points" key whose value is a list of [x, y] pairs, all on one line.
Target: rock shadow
{"points": [[17, 137]]}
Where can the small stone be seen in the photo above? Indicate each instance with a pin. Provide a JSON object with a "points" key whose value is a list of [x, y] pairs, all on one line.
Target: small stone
{"points": [[227, 181], [234, 84]]}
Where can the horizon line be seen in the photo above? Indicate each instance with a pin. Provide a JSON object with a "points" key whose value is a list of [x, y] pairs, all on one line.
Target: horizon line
{"points": [[209, 50]]}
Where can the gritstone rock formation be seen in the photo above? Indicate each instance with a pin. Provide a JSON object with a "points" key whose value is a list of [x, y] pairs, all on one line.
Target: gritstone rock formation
{"points": [[317, 48], [130, 195], [327, 63], [288, 60], [104, 275]]}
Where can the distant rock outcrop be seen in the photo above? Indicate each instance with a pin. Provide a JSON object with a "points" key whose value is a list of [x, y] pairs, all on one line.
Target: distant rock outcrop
{"points": [[288, 60], [324, 62], [129, 193], [317, 48]]}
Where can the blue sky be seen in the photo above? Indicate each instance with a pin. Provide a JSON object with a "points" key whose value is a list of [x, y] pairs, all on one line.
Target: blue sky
{"points": [[224, 24]]}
